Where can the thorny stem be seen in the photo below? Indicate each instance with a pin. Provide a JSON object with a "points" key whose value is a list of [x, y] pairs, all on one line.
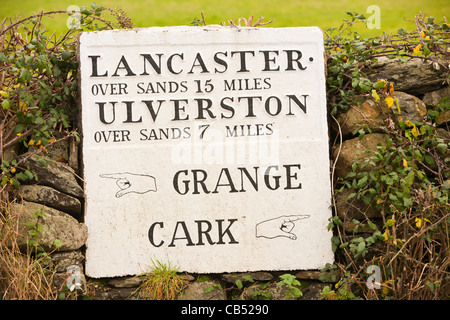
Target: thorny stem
{"points": [[41, 14]]}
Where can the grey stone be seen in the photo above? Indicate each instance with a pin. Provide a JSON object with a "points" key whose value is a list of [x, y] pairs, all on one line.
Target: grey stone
{"points": [[187, 277], [309, 274], [313, 291], [62, 260], [116, 294], [256, 276], [433, 98], [125, 282], [52, 198], [443, 117], [73, 155], [414, 76], [59, 150], [201, 291], [354, 208], [272, 292], [371, 115], [56, 175], [317, 275], [56, 225], [354, 149], [10, 153], [359, 117], [412, 108]]}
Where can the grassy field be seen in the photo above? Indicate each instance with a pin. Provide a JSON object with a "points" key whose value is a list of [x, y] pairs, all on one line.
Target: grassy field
{"points": [[287, 13]]}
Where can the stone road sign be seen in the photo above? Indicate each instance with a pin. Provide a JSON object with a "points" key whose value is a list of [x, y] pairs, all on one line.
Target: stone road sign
{"points": [[205, 147]]}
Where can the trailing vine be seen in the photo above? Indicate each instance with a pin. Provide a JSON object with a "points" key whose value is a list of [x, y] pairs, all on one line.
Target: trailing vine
{"points": [[38, 85], [349, 55], [406, 180]]}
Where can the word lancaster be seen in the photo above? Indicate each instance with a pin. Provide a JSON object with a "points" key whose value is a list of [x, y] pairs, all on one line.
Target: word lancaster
{"points": [[179, 63]]}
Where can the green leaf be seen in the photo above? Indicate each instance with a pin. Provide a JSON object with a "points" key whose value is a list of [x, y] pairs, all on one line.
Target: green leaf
{"points": [[209, 289], [351, 195], [19, 128], [6, 104], [429, 160], [372, 225], [203, 278], [446, 185], [25, 76], [409, 179], [343, 245], [22, 176], [365, 84], [248, 278], [86, 12], [56, 71], [407, 202], [362, 182], [264, 285], [65, 55], [442, 147], [361, 246], [29, 174], [379, 84]]}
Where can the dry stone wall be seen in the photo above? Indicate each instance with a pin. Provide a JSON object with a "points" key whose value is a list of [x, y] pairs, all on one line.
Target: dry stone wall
{"points": [[58, 194]]}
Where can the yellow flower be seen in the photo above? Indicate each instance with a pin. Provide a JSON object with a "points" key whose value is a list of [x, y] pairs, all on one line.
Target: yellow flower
{"points": [[418, 223], [386, 235], [391, 89], [31, 142], [409, 123], [405, 163], [375, 95], [389, 101], [379, 201], [416, 50], [23, 105], [415, 132], [423, 33], [13, 170]]}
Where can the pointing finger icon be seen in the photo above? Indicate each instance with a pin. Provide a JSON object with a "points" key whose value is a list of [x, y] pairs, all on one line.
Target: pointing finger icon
{"points": [[132, 183]]}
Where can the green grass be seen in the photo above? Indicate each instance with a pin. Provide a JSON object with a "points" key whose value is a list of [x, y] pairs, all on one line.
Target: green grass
{"points": [[288, 13]]}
